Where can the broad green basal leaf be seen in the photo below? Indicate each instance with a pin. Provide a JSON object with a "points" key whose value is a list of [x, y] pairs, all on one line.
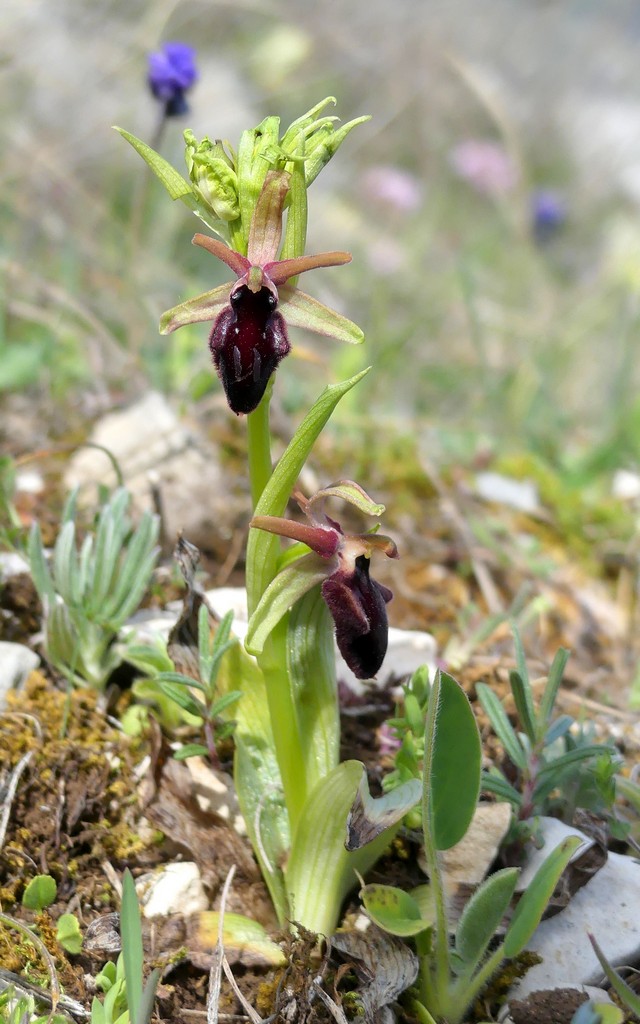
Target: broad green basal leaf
{"points": [[452, 763]]}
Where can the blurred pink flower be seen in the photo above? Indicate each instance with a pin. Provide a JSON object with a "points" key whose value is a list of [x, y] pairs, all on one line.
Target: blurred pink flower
{"points": [[485, 166], [388, 740], [396, 188]]}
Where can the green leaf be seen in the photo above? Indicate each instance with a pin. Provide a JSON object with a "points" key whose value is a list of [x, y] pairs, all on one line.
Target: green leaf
{"points": [[240, 934], [393, 910], [183, 699], [556, 673], [630, 998], [370, 816], [452, 763], [501, 725], [68, 933], [38, 565], [287, 587], [482, 915], [177, 186], [320, 871], [311, 667], [528, 913], [131, 932], [572, 757], [40, 893], [190, 750], [223, 703], [493, 783], [145, 1009], [524, 705]]}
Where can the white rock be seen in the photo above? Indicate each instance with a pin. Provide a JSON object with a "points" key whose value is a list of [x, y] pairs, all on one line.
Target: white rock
{"points": [[552, 832], [407, 651], [625, 485], [519, 494], [12, 564], [177, 889], [609, 907], [16, 664], [468, 862], [156, 450]]}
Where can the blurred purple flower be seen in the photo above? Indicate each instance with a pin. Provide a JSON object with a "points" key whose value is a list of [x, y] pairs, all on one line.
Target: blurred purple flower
{"points": [[172, 71], [388, 740], [485, 166], [548, 214], [396, 188]]}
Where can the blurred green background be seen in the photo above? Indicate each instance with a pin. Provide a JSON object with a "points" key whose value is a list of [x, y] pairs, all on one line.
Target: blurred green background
{"points": [[487, 329]]}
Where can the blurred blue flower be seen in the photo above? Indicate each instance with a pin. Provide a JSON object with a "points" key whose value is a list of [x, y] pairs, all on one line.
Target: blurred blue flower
{"points": [[548, 214], [172, 71]]}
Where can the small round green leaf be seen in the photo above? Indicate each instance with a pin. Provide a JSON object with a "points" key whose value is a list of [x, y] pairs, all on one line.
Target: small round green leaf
{"points": [[393, 910], [68, 933], [40, 893]]}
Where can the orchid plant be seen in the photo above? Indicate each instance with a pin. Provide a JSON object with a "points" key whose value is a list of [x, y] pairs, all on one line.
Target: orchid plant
{"points": [[294, 793]]}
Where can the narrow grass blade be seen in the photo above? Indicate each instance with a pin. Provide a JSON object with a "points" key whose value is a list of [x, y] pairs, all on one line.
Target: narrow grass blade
{"points": [[554, 681], [501, 725], [132, 954]]}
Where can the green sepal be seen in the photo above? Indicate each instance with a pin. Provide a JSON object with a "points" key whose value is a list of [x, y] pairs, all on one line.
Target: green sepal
{"points": [[528, 913], [452, 763], [197, 310], [352, 493], [300, 310]]}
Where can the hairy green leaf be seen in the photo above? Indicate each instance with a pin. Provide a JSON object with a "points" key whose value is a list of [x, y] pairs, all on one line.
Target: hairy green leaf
{"points": [[528, 913], [452, 763], [482, 915]]}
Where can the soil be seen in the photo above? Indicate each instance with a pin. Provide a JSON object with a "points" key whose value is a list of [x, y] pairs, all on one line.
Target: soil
{"points": [[91, 801]]}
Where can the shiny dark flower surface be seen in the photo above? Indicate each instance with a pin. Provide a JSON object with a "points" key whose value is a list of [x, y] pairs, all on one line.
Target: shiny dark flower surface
{"points": [[250, 316], [358, 608], [247, 341], [172, 72], [340, 563]]}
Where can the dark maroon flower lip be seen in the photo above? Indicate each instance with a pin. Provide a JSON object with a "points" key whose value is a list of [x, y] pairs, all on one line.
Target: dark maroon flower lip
{"points": [[357, 602], [247, 342], [358, 608], [249, 336]]}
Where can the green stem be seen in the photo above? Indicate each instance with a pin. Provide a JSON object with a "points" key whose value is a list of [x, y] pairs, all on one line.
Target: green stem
{"points": [[421, 1012], [467, 990], [259, 445]]}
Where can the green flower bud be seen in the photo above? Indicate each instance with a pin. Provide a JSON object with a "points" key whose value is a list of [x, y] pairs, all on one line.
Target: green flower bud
{"points": [[212, 172]]}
